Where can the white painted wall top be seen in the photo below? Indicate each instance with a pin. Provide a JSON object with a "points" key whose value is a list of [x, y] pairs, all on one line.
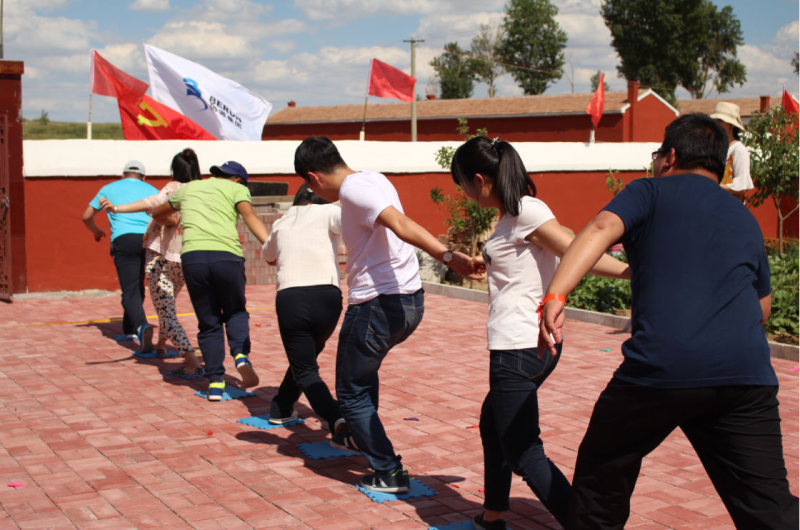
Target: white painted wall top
{"points": [[89, 158]]}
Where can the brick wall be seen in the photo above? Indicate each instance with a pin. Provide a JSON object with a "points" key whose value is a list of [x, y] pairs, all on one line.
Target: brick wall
{"points": [[256, 269]]}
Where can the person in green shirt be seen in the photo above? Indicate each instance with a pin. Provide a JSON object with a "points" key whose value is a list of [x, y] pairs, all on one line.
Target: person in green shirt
{"points": [[213, 266]]}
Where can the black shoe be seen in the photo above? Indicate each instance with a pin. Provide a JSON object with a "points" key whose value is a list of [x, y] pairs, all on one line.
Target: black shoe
{"points": [[480, 524], [340, 428], [344, 443], [396, 481]]}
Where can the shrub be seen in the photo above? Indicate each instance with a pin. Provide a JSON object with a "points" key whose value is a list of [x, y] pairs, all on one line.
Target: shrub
{"points": [[785, 286]]}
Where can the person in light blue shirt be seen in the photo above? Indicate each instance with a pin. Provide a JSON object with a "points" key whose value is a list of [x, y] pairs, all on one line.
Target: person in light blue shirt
{"points": [[127, 233]]}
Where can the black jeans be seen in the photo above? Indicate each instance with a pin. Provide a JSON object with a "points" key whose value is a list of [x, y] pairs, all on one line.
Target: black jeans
{"points": [[128, 257], [216, 289], [510, 431], [735, 431], [307, 317], [368, 332]]}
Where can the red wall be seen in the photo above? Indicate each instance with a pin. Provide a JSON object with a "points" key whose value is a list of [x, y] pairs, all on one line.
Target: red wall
{"points": [[567, 128], [11, 105], [61, 254]]}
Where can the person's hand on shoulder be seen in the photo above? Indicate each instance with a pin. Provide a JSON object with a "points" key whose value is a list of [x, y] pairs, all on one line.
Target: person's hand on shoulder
{"points": [[105, 204]]}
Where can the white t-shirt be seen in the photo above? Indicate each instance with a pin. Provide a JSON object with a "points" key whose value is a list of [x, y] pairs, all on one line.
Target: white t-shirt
{"points": [[378, 262], [519, 273], [305, 244], [737, 168]]}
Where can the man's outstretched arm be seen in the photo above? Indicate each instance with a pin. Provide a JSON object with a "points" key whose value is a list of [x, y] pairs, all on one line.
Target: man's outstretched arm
{"points": [[587, 248]]}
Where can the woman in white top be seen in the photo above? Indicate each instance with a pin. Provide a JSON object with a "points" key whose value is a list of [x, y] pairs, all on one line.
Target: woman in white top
{"points": [[163, 261], [520, 259], [737, 178], [304, 244]]}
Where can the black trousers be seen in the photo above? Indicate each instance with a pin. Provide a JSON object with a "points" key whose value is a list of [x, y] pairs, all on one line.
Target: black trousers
{"points": [[307, 317], [216, 290], [128, 257], [735, 431]]}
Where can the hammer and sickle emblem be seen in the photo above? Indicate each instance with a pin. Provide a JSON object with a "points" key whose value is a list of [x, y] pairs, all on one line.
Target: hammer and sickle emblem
{"points": [[158, 121]]}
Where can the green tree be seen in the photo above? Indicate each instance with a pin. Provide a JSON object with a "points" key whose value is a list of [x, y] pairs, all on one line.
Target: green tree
{"points": [[44, 118], [772, 138], [595, 79], [533, 48], [671, 43], [486, 54], [455, 71], [796, 62]]}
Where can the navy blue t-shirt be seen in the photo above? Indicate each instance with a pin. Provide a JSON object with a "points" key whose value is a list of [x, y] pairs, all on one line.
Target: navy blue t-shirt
{"points": [[698, 270]]}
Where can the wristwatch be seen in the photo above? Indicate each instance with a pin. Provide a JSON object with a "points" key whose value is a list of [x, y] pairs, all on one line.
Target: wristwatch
{"points": [[447, 257]]}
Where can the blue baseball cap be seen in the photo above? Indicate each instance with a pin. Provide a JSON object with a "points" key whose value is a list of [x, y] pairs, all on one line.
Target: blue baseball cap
{"points": [[230, 169]]}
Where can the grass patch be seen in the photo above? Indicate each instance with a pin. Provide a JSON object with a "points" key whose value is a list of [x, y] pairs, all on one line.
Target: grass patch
{"points": [[58, 130]]}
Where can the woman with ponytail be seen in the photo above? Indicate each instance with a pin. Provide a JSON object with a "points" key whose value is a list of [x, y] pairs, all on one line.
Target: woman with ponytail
{"points": [[520, 258], [163, 261]]}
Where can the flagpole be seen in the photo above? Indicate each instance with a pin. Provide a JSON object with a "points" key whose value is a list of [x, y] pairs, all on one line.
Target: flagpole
{"points": [[591, 134], [362, 134], [413, 42], [89, 123]]}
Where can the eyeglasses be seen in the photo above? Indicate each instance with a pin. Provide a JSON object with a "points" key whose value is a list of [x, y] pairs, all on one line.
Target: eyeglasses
{"points": [[655, 154]]}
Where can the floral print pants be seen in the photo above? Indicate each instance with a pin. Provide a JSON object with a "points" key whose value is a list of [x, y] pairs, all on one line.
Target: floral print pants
{"points": [[165, 280]]}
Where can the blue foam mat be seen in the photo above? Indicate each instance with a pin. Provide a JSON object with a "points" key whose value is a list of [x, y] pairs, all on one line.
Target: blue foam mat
{"points": [[200, 375], [124, 338], [322, 450], [152, 355], [231, 392], [465, 525], [262, 422], [417, 491]]}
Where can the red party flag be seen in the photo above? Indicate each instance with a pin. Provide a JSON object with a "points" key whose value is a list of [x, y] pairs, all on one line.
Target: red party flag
{"points": [[104, 74], [595, 106], [789, 103], [144, 118], [388, 82]]}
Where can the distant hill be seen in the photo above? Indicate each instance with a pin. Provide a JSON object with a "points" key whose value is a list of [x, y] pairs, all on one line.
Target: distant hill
{"points": [[43, 129]]}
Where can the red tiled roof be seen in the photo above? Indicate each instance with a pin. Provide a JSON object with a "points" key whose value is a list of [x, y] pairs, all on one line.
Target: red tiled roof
{"points": [[747, 106], [450, 108]]}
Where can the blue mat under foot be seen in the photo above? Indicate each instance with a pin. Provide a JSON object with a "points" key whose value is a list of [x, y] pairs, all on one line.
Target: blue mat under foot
{"points": [[418, 490], [322, 450], [231, 392], [262, 422], [152, 355]]}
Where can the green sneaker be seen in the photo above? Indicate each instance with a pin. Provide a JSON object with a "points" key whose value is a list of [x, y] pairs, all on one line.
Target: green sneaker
{"points": [[396, 481], [216, 389]]}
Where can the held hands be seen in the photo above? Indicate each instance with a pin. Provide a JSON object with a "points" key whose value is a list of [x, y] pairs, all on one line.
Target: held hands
{"points": [[467, 267], [105, 204], [551, 324]]}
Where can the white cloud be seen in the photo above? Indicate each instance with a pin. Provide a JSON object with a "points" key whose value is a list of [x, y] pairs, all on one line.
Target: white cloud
{"points": [[224, 10], [150, 5], [352, 9], [202, 40]]}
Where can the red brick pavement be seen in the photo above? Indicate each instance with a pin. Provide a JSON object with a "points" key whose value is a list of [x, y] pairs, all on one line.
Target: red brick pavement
{"points": [[99, 439]]}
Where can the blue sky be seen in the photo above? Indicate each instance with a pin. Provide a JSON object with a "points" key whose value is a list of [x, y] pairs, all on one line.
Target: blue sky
{"points": [[316, 52]]}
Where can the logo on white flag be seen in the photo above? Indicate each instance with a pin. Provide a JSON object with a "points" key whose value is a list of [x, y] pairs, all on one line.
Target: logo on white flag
{"points": [[229, 111]]}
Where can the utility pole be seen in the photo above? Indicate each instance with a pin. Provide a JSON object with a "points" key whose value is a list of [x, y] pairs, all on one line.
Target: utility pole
{"points": [[414, 42]]}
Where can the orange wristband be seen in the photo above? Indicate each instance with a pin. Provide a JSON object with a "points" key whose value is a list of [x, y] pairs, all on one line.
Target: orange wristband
{"points": [[550, 297]]}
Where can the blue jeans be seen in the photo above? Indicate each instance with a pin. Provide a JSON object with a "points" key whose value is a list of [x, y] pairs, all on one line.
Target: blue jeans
{"points": [[368, 332], [216, 290], [510, 432]]}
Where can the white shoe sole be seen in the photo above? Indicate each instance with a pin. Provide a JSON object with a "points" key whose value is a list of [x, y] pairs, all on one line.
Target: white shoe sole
{"points": [[249, 376]]}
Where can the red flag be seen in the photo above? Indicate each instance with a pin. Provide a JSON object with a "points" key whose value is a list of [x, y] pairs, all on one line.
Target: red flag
{"points": [[144, 118], [388, 82], [104, 74], [789, 103], [595, 106]]}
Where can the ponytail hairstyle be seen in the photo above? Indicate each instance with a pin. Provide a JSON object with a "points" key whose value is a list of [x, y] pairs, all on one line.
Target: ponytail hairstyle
{"points": [[185, 166], [305, 196], [495, 160]]}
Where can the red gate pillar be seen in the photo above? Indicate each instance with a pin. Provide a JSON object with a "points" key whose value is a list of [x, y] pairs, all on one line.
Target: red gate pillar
{"points": [[11, 107]]}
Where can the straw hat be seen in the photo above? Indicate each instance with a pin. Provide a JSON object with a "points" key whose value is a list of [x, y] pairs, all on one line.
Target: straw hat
{"points": [[729, 113]]}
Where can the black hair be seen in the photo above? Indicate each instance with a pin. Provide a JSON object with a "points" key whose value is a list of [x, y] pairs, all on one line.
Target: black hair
{"points": [[700, 142], [498, 161], [305, 196], [316, 153], [185, 166]]}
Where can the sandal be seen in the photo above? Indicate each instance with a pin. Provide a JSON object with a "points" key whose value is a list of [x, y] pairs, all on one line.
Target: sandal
{"points": [[162, 353]]}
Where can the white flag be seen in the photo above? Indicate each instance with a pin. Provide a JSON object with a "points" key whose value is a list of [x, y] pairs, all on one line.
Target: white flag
{"points": [[223, 107]]}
